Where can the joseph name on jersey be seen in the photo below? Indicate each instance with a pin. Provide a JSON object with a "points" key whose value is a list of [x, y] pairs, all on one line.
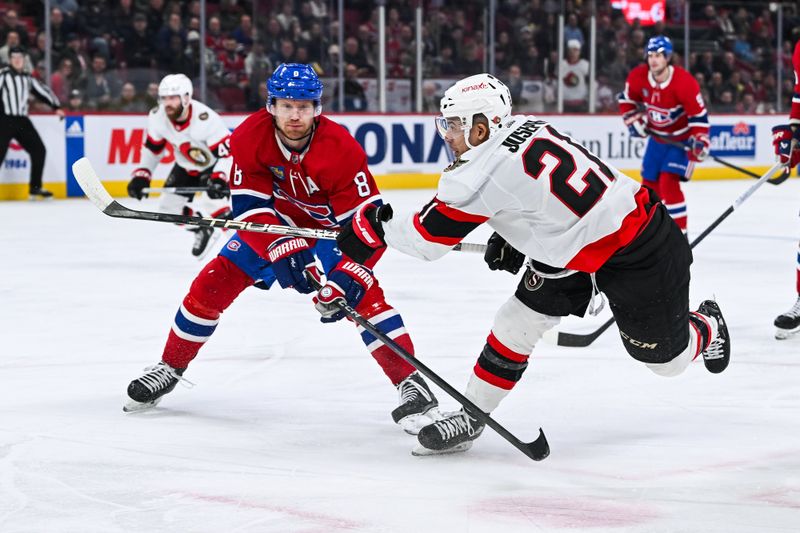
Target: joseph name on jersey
{"points": [[321, 187], [539, 189], [199, 142], [674, 108]]}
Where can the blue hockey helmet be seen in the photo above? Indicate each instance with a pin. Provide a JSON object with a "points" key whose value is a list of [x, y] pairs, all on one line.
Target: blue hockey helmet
{"points": [[295, 81], [660, 44]]}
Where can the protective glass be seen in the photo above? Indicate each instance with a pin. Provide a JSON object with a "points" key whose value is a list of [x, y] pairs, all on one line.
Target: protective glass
{"points": [[449, 125]]}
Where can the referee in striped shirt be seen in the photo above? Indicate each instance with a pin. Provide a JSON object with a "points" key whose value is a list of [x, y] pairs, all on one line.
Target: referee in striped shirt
{"points": [[15, 88]]}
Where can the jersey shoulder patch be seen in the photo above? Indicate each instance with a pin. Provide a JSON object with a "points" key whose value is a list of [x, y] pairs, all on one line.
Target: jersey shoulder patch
{"points": [[203, 116]]}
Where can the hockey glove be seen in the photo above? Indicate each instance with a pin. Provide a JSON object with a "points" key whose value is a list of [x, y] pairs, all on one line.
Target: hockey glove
{"points": [[636, 122], [140, 179], [347, 283], [218, 187], [699, 147], [785, 140], [502, 256], [362, 236], [290, 258]]}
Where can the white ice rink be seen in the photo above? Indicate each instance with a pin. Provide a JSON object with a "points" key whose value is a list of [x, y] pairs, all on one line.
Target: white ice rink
{"points": [[288, 426]]}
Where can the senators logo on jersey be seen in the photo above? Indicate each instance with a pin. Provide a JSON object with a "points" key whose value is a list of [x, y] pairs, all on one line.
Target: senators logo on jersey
{"points": [[196, 155]]}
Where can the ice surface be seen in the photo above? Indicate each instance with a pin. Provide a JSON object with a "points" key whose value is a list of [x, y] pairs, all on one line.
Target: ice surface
{"points": [[288, 427]]}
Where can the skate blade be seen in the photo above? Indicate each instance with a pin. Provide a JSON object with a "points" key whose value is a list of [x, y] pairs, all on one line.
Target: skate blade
{"points": [[412, 424], [422, 451], [783, 334], [135, 407], [213, 239]]}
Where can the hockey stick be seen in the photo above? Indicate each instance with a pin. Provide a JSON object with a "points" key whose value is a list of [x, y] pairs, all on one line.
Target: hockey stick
{"points": [[578, 340], [174, 190], [774, 181], [537, 450], [94, 190]]}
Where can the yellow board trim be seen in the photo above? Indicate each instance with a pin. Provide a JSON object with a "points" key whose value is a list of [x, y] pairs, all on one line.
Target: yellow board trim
{"points": [[19, 191]]}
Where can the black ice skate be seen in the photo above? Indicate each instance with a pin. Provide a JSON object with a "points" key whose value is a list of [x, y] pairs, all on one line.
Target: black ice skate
{"points": [[202, 241], [452, 434], [718, 354], [37, 193], [418, 405], [789, 322], [148, 389]]}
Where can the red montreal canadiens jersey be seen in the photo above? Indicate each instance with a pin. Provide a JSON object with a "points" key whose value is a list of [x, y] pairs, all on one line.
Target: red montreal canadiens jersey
{"points": [[674, 108], [321, 187]]}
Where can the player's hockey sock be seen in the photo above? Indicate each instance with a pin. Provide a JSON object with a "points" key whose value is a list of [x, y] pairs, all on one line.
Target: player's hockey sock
{"points": [[669, 189], [213, 290], [702, 331], [390, 323], [499, 368]]}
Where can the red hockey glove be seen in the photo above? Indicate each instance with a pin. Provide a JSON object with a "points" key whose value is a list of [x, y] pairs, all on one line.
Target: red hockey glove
{"points": [[363, 234], [218, 186], [140, 179], [291, 257], [699, 147], [636, 122], [786, 142], [347, 283]]}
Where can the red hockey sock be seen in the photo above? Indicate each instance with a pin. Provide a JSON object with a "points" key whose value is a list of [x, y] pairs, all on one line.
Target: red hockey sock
{"points": [[212, 291], [669, 189]]}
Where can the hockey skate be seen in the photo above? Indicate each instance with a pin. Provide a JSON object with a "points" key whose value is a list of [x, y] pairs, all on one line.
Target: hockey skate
{"points": [[454, 433], [718, 354], [203, 240], [788, 323], [37, 193], [147, 390], [418, 406]]}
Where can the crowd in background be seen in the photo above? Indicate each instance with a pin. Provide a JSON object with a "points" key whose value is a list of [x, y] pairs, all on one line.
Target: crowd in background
{"points": [[108, 55]]}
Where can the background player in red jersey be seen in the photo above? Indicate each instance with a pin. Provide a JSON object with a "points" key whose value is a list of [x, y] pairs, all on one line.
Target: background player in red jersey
{"points": [[584, 226], [664, 100], [291, 166], [786, 140]]}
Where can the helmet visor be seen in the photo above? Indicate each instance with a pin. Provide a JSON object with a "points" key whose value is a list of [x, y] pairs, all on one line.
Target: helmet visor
{"points": [[449, 126]]}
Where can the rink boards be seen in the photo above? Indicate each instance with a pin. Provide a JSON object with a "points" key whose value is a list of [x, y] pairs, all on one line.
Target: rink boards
{"points": [[404, 150]]}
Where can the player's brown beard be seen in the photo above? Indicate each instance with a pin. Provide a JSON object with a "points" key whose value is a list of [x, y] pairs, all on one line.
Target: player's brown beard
{"points": [[175, 114]]}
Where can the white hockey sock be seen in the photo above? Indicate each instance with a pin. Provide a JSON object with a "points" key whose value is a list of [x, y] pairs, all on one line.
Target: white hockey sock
{"points": [[483, 394]]}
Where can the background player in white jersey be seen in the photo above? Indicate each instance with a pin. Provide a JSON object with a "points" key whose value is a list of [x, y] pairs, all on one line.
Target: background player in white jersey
{"points": [[664, 100], [201, 145], [786, 140], [585, 227]]}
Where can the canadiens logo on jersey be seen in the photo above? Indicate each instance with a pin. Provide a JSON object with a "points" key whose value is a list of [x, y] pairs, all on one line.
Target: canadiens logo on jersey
{"points": [[322, 213], [196, 155], [278, 172]]}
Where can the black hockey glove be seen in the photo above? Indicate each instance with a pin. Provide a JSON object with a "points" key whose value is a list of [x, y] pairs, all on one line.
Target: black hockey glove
{"points": [[217, 187], [140, 179], [502, 256], [362, 236]]}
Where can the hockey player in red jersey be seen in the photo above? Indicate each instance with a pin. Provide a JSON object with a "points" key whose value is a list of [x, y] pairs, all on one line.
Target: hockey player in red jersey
{"points": [[200, 144], [786, 140], [584, 226], [664, 100], [292, 166]]}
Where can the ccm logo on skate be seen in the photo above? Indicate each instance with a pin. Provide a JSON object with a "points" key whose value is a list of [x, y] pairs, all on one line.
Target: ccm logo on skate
{"points": [[638, 344]]}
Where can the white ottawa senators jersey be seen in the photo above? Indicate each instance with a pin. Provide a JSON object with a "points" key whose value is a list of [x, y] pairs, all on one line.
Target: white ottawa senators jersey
{"points": [[198, 143], [547, 195]]}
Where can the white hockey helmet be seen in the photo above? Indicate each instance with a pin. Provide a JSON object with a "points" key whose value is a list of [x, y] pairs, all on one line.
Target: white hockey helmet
{"points": [[176, 85], [479, 94]]}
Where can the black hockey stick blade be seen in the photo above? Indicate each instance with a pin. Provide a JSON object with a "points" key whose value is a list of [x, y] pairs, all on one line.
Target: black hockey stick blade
{"points": [[576, 340], [537, 450]]}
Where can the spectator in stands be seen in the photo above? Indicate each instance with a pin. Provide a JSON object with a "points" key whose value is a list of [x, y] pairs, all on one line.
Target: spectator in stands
{"points": [[273, 38], [128, 101], [430, 97], [353, 54], [574, 71], [232, 64], [285, 53], [286, 18], [229, 14], [258, 68], [244, 32], [59, 29], [176, 61], [155, 15], [139, 52], [214, 35], [67, 7], [193, 56], [747, 105], [173, 28], [151, 96], [726, 103], [572, 31], [102, 86], [75, 102], [122, 19], [62, 79], [533, 63], [616, 71], [319, 8], [12, 42], [74, 51], [355, 99], [11, 23], [515, 84], [38, 50]]}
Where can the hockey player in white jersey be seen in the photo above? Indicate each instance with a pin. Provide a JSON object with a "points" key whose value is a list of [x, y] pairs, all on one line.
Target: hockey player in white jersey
{"points": [[585, 228], [201, 145]]}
